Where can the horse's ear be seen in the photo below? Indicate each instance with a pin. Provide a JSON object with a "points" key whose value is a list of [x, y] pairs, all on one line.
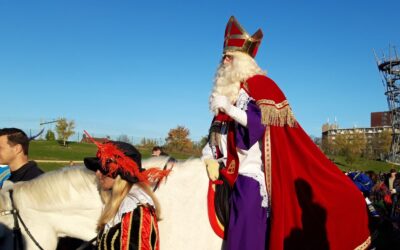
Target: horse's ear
{"points": [[7, 185]]}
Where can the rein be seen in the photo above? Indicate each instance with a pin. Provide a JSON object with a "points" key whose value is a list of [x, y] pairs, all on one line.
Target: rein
{"points": [[17, 237], [170, 160]]}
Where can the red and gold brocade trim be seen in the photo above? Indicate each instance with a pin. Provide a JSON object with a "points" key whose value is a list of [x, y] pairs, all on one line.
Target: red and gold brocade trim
{"points": [[148, 225], [267, 162], [276, 114], [364, 245], [126, 231], [154, 226]]}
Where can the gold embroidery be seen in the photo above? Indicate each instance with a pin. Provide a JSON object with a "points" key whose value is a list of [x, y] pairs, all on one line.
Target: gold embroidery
{"points": [[270, 102], [276, 114], [140, 225], [267, 162], [231, 167], [250, 43], [114, 238], [364, 245], [105, 240], [129, 229]]}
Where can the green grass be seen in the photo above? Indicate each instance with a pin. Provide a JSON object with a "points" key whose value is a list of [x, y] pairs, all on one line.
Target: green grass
{"points": [[363, 164], [52, 150]]}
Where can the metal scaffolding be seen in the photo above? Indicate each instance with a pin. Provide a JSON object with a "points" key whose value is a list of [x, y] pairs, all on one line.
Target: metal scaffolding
{"points": [[389, 67]]}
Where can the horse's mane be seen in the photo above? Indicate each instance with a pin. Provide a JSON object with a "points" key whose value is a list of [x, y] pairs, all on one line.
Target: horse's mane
{"points": [[56, 187]]}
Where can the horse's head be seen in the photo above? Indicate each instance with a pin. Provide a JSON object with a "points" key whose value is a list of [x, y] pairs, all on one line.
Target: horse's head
{"points": [[64, 202]]}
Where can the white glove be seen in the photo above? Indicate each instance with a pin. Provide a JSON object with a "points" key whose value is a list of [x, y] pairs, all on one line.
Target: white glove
{"points": [[212, 169], [222, 103]]}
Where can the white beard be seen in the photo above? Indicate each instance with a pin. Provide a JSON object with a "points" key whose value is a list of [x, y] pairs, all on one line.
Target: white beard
{"points": [[229, 76]]}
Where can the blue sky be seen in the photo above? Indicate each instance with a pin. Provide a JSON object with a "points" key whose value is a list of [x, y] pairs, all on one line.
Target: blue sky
{"points": [[143, 67]]}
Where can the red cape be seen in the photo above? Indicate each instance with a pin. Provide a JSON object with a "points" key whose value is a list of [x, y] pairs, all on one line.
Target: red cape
{"points": [[313, 204]]}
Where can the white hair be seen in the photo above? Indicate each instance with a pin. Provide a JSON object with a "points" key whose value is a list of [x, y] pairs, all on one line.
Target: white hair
{"points": [[229, 76]]}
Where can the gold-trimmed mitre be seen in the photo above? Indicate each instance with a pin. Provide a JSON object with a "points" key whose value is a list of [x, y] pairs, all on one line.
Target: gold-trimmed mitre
{"points": [[237, 39]]}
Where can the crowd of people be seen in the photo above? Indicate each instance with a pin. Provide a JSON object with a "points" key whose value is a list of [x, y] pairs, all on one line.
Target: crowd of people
{"points": [[382, 192]]}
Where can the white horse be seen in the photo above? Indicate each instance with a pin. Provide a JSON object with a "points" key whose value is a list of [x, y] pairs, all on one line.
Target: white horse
{"points": [[183, 197], [67, 202]]}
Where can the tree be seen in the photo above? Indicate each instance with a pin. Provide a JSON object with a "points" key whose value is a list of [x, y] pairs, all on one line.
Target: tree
{"points": [[65, 129], [124, 138], [351, 146], [380, 145], [327, 145], [316, 140], [178, 139], [148, 143], [50, 136]]}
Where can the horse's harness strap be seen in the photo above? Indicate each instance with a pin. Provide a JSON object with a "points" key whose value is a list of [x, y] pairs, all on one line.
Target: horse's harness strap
{"points": [[164, 168], [16, 215], [15, 211], [8, 212]]}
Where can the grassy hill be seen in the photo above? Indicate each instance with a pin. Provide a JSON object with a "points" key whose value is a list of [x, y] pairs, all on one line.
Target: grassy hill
{"points": [[53, 151], [363, 165]]}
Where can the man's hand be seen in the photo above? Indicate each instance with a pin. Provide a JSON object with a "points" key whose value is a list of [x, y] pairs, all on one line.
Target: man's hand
{"points": [[220, 103], [212, 169]]}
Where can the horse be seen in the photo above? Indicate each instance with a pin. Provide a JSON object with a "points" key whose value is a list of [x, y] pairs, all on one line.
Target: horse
{"points": [[184, 220], [67, 202], [64, 202]]}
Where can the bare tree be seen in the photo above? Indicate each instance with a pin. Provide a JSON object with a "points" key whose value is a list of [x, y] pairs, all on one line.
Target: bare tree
{"points": [[124, 138]]}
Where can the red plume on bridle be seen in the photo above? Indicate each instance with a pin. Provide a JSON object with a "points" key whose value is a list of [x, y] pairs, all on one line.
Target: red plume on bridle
{"points": [[114, 161]]}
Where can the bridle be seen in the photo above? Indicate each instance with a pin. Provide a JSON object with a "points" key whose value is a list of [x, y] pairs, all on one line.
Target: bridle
{"points": [[17, 236], [170, 160]]}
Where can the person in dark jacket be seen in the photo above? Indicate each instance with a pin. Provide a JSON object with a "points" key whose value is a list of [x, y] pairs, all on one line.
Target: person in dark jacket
{"points": [[14, 148]]}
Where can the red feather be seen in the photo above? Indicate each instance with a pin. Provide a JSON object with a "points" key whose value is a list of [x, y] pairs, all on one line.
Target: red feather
{"points": [[116, 161]]}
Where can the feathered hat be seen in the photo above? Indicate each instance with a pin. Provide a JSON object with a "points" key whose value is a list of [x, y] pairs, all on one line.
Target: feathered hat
{"points": [[120, 158], [237, 39]]}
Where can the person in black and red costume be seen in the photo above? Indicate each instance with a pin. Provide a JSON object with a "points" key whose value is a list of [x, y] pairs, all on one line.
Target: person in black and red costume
{"points": [[270, 186], [131, 210]]}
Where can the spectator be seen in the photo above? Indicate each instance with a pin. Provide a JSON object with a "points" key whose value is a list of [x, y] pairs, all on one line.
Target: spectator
{"points": [[14, 148], [393, 183], [158, 151], [380, 195]]}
